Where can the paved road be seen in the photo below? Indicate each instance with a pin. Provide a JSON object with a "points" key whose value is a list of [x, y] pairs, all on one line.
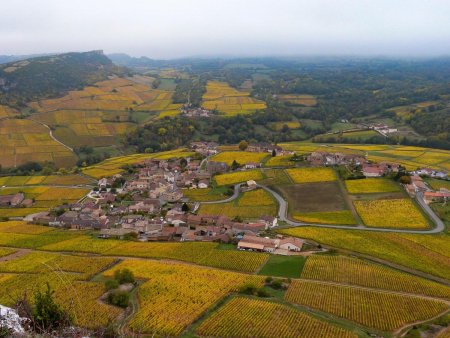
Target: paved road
{"points": [[229, 199], [282, 215]]}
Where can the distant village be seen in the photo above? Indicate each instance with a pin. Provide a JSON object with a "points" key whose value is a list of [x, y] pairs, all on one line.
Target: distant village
{"points": [[149, 204]]}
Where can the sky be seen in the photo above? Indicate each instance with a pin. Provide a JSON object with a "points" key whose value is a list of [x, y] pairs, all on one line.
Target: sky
{"points": [[182, 28]]}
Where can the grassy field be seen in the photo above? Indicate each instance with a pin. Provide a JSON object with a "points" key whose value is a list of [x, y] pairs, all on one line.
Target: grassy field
{"points": [[427, 253], [250, 205], [24, 141], [220, 96], [371, 308], [279, 161], [238, 177], [204, 195], [283, 266], [392, 213], [241, 157], [371, 185], [438, 184], [277, 126], [311, 175], [245, 317]]}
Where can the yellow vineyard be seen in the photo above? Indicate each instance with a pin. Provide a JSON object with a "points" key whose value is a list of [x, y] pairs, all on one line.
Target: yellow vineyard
{"points": [[311, 175]]}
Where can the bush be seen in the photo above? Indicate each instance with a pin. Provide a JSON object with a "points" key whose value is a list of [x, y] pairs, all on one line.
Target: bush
{"points": [[248, 289], [47, 315], [276, 284], [261, 292], [119, 298], [269, 280], [111, 284], [124, 276]]}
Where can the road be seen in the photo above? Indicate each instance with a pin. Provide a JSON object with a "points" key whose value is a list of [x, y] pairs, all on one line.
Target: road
{"points": [[283, 212], [51, 134], [282, 215]]}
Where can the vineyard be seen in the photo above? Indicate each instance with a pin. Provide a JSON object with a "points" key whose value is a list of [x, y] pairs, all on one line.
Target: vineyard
{"points": [[256, 197], [327, 217], [220, 96], [311, 175], [393, 213], [175, 295], [299, 99], [241, 157], [244, 317], [238, 177], [371, 308], [371, 185], [13, 181], [203, 195], [427, 253], [355, 271], [24, 141]]}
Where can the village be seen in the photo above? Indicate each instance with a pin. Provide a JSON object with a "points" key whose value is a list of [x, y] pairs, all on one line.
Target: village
{"points": [[148, 203]]}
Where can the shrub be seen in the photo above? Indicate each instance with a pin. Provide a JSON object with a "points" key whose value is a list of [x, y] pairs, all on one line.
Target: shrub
{"points": [[111, 284], [119, 298], [48, 315], [124, 276], [261, 292], [248, 289]]}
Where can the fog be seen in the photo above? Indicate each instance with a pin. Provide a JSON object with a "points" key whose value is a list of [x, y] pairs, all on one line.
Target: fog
{"points": [[176, 28]]}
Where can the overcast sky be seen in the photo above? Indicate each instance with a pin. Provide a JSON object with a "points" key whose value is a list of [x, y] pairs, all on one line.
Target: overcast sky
{"points": [[178, 28]]}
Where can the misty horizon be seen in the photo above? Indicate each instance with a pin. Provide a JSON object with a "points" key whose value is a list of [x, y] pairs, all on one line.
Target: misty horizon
{"points": [[175, 29]]}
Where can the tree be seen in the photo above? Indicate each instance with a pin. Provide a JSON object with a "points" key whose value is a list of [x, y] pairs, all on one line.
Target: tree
{"points": [[243, 145], [405, 179], [235, 165], [183, 163], [274, 153], [119, 298], [124, 276], [185, 208]]}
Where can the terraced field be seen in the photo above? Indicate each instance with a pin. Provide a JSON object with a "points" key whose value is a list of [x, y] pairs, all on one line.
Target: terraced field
{"points": [[175, 289], [243, 317], [371, 308], [220, 96], [426, 253]]}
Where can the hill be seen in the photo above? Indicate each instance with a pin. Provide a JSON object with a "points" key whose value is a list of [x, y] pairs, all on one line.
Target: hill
{"points": [[50, 76]]}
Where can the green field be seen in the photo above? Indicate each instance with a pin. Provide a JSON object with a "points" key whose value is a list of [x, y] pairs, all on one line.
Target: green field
{"points": [[283, 266]]}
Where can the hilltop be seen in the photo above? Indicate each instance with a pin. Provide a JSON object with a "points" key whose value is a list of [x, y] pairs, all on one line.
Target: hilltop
{"points": [[51, 76]]}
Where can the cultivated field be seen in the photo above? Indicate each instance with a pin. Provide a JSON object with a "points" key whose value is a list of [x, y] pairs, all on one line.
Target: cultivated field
{"points": [[241, 157], [24, 141], [299, 99], [311, 175], [348, 270], [371, 185], [220, 96], [238, 177], [277, 126], [371, 308], [327, 217], [176, 295], [408, 156], [14, 181], [427, 253], [204, 195], [279, 161], [253, 204], [113, 166], [244, 317], [392, 213], [6, 111]]}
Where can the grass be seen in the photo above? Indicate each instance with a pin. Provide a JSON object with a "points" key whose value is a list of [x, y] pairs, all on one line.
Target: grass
{"points": [[438, 184], [283, 266], [204, 195]]}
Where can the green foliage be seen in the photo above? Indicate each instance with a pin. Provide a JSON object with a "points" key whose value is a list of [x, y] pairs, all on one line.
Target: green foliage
{"points": [[124, 276], [48, 315], [111, 284], [119, 298]]}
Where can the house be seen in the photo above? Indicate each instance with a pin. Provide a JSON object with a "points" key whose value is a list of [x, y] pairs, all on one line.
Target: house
{"points": [[12, 200], [374, 170], [103, 183], [263, 147], [203, 184], [172, 196], [291, 244], [269, 221], [216, 167], [249, 242], [436, 196], [252, 165]]}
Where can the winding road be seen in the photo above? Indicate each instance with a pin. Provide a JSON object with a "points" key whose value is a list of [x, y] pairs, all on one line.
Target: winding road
{"points": [[283, 212]]}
